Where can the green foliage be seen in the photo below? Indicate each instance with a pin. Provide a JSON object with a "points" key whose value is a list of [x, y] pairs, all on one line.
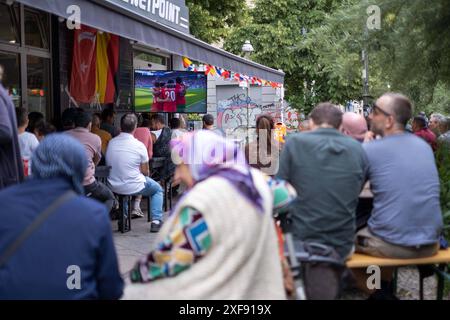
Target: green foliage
{"points": [[409, 52], [278, 30], [443, 164], [210, 20]]}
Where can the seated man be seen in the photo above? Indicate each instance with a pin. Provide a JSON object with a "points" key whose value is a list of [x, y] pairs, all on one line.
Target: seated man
{"points": [[327, 169], [354, 125], [93, 147], [406, 220], [161, 147], [128, 159]]}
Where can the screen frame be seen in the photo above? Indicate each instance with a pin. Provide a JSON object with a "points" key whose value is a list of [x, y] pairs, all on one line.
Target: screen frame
{"points": [[168, 71]]}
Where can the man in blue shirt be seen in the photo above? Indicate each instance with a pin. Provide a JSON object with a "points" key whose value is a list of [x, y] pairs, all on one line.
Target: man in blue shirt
{"points": [[406, 219], [71, 254]]}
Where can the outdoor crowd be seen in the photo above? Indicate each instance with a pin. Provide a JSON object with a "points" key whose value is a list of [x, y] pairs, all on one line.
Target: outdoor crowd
{"points": [[349, 183]]}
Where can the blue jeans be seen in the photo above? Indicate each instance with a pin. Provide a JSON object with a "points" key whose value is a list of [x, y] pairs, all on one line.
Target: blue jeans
{"points": [[153, 190]]}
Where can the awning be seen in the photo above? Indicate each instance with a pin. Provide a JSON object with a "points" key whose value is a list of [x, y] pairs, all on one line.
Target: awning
{"points": [[96, 14]]}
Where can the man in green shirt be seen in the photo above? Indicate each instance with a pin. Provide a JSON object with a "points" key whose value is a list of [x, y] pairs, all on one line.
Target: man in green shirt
{"points": [[327, 169]]}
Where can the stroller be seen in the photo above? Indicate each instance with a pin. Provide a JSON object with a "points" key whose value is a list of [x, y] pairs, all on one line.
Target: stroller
{"points": [[317, 269]]}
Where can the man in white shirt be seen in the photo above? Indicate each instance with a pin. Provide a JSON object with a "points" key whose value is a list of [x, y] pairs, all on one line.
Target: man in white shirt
{"points": [[27, 141], [129, 174]]}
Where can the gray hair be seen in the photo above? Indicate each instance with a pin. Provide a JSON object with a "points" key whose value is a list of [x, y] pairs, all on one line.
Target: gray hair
{"points": [[128, 123], [440, 117]]}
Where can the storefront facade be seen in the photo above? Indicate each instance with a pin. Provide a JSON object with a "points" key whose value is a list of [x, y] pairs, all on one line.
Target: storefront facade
{"points": [[36, 50]]}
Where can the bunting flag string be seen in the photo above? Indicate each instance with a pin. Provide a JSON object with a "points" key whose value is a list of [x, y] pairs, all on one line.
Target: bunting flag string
{"points": [[227, 75]]}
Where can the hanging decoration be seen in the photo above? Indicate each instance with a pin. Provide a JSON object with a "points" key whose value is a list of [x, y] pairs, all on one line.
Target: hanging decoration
{"points": [[228, 75]]}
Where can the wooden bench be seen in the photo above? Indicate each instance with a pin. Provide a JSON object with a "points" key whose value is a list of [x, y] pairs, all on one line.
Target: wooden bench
{"points": [[438, 264]]}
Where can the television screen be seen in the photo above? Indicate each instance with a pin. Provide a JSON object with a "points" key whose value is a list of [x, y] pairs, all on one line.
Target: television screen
{"points": [[170, 91]]}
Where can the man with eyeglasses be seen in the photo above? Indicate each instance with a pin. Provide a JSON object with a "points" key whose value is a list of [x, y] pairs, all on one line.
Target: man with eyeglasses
{"points": [[406, 220]]}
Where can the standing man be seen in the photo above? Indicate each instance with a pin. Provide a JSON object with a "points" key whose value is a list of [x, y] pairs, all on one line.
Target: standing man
{"points": [[180, 89], [208, 122], [93, 148], [327, 169], [130, 171], [11, 168], [170, 97]]}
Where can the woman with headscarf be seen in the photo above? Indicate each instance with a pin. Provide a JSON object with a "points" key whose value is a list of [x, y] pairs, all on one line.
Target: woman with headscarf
{"points": [[54, 242], [220, 240]]}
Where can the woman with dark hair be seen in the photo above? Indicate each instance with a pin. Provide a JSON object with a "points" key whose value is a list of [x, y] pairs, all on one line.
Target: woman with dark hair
{"points": [[263, 153]]}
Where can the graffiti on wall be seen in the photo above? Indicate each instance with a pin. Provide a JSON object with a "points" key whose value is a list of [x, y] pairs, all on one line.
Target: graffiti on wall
{"points": [[232, 113]]}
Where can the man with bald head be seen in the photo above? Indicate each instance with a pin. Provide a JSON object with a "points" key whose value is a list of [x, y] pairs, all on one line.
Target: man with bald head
{"points": [[406, 220], [354, 125]]}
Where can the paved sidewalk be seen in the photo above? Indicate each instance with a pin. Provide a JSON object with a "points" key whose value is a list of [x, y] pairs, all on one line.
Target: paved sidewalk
{"points": [[133, 245]]}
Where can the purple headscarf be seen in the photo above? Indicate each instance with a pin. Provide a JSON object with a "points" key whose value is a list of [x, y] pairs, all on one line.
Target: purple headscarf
{"points": [[207, 154]]}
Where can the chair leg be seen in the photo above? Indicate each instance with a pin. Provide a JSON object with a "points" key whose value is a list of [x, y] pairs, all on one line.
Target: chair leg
{"points": [[421, 279], [394, 281], [129, 214], [122, 214], [149, 213]]}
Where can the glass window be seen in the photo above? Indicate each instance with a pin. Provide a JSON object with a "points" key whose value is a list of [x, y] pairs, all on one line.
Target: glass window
{"points": [[36, 29], [38, 81], [9, 23], [11, 75], [149, 61]]}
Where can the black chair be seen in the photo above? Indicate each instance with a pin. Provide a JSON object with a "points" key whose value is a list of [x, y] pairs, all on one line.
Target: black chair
{"points": [[102, 173], [125, 215], [156, 165]]}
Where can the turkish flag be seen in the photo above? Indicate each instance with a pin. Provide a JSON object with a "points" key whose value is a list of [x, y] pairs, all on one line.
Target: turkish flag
{"points": [[83, 77]]}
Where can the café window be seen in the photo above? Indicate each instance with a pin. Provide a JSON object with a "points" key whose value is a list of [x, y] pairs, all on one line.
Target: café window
{"points": [[9, 23], [10, 63], [147, 60], [36, 29], [26, 60]]}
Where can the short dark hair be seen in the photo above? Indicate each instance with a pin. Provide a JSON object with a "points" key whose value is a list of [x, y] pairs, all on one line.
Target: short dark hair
{"points": [[179, 80], [158, 118], [44, 128], [174, 123], [128, 122], [420, 121], [82, 119], [208, 119], [107, 113], [21, 116], [401, 107], [68, 117], [327, 113]]}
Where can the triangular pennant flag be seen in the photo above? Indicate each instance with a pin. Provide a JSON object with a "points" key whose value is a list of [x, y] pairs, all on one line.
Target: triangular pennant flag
{"points": [[186, 62], [219, 71]]}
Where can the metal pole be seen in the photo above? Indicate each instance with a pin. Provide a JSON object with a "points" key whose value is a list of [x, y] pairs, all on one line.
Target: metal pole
{"points": [[365, 59], [248, 113]]}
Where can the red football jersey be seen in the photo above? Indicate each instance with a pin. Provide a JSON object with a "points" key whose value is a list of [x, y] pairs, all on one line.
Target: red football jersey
{"points": [[157, 106], [170, 94], [180, 89]]}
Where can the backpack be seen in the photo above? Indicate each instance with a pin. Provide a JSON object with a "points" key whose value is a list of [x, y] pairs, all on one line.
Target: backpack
{"points": [[322, 269]]}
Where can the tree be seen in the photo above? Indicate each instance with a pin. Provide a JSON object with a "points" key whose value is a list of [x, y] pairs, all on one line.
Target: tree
{"points": [[279, 30], [409, 53], [210, 20]]}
